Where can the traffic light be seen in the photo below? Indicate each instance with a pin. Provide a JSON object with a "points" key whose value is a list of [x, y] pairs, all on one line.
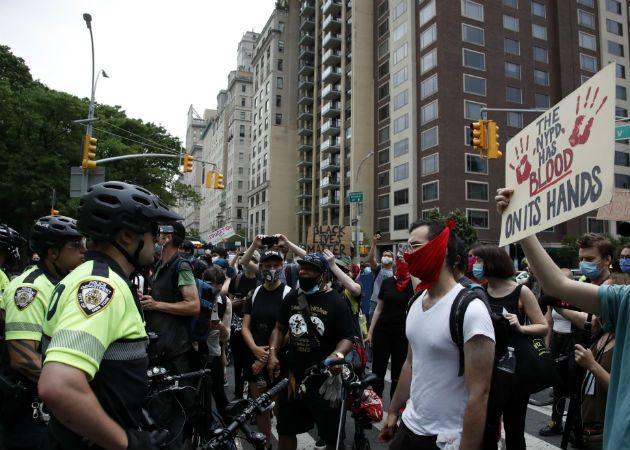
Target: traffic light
{"points": [[478, 136], [218, 181], [53, 211], [493, 141], [188, 162], [89, 153]]}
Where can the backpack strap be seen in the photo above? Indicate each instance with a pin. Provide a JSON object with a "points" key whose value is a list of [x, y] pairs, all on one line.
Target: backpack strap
{"points": [[254, 294], [305, 311], [456, 322], [412, 300], [285, 292], [237, 282]]}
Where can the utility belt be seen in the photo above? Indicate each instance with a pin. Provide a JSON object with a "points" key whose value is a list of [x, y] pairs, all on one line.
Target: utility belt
{"points": [[19, 397]]}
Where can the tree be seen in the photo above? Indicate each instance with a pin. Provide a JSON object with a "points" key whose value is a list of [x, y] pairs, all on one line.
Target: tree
{"points": [[463, 229]]}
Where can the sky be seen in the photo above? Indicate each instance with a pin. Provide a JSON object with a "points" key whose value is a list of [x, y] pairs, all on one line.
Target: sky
{"points": [[160, 56]]}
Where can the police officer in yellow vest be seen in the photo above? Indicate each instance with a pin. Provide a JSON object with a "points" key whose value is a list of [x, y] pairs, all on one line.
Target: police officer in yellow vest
{"points": [[94, 377], [10, 242], [26, 300]]}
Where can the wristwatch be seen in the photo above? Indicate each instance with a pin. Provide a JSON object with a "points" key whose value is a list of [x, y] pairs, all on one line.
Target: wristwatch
{"points": [[339, 355]]}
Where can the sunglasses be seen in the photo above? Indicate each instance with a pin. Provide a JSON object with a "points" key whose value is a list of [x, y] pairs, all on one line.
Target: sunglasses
{"points": [[76, 244]]}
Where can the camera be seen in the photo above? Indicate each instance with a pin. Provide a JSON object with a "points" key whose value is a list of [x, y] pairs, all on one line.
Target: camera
{"points": [[270, 241]]}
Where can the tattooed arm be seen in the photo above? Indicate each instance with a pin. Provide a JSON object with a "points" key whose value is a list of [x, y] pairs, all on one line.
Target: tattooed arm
{"points": [[25, 358]]}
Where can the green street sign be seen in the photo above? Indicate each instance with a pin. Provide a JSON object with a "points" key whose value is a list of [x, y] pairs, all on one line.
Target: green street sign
{"points": [[356, 197], [622, 132]]}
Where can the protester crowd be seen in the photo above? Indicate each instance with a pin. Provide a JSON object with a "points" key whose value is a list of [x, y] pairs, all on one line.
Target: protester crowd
{"points": [[119, 290]]}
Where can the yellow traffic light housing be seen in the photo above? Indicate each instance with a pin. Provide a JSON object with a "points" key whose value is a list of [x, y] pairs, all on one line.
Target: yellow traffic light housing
{"points": [[188, 162], [493, 141], [218, 180], [478, 136], [53, 211], [89, 153]]}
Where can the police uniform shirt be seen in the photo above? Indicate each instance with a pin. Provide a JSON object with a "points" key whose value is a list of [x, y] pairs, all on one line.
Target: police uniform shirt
{"points": [[26, 302], [4, 282], [94, 324]]}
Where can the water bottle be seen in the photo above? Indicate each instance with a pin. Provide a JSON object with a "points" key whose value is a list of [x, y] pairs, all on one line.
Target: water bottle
{"points": [[507, 363]]}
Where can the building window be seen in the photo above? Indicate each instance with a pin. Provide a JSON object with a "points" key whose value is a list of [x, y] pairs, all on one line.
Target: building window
{"points": [[429, 138], [538, 9], [622, 181], [428, 36], [429, 86], [428, 61], [383, 91], [383, 8], [512, 70], [383, 112], [383, 69], [383, 156], [280, 82], [429, 112], [472, 110], [383, 225], [280, 65], [515, 119], [242, 101], [541, 101], [383, 28], [614, 27], [383, 49], [540, 54], [401, 222], [243, 115], [278, 119], [476, 191], [539, 31], [541, 77], [510, 22], [281, 46], [622, 159], [401, 147], [472, 34], [383, 202], [511, 3], [401, 99], [620, 71], [241, 130], [399, 31], [474, 164], [400, 53], [383, 179], [621, 93], [588, 63], [430, 191], [401, 197], [588, 41], [511, 46], [278, 100], [430, 165], [427, 13], [586, 19], [401, 172], [474, 85], [383, 135], [615, 48], [400, 76], [399, 9], [472, 10], [473, 59], [621, 112], [613, 6], [477, 218], [595, 226]]}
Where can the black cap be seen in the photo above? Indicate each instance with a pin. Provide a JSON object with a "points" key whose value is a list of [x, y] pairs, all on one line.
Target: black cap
{"points": [[316, 259], [176, 228], [270, 254]]}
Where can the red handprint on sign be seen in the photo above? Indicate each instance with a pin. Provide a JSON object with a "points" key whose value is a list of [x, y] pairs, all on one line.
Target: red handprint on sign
{"points": [[524, 167], [582, 128]]}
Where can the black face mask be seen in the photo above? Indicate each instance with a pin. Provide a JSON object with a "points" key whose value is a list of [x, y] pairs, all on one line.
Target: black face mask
{"points": [[307, 284]]}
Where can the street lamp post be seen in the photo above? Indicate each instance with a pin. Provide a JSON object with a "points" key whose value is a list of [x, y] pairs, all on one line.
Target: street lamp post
{"points": [[359, 210]]}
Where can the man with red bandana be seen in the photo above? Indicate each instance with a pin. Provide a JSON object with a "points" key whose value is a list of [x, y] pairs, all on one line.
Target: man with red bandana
{"points": [[441, 406]]}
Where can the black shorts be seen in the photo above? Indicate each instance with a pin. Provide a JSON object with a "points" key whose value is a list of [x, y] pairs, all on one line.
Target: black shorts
{"points": [[405, 439], [298, 415]]}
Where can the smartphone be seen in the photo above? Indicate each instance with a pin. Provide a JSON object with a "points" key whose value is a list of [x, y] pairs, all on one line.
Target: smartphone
{"points": [[377, 234], [270, 241], [402, 247]]}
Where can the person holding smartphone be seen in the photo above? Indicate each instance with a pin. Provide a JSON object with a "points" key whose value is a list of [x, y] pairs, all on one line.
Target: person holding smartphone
{"points": [[380, 271]]}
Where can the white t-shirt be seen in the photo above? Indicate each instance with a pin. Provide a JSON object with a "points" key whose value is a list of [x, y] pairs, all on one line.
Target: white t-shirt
{"points": [[560, 324], [438, 396]]}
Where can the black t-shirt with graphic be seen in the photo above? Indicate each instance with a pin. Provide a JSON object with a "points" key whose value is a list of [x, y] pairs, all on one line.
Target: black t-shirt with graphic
{"points": [[332, 319], [244, 286], [394, 312], [264, 313]]}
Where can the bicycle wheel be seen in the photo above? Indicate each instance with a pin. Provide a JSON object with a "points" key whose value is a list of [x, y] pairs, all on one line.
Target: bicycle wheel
{"points": [[167, 413]]}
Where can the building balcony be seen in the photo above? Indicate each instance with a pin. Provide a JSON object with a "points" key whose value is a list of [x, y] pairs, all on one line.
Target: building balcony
{"points": [[306, 68], [301, 211], [304, 178], [307, 39], [307, 52], [331, 40], [331, 74], [331, 57], [305, 129], [330, 163], [305, 146], [307, 24], [305, 114], [305, 83], [307, 99], [331, 23], [331, 92], [329, 146], [304, 194], [308, 8], [328, 202], [329, 182], [331, 110], [332, 7], [305, 161], [331, 127]]}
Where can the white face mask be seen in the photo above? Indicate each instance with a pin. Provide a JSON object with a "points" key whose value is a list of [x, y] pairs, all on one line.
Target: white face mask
{"points": [[386, 260]]}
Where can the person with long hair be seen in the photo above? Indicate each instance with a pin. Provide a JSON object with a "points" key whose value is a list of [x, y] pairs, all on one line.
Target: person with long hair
{"points": [[519, 305]]}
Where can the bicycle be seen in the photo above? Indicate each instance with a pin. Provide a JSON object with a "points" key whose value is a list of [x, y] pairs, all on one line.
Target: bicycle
{"points": [[364, 404], [242, 412]]}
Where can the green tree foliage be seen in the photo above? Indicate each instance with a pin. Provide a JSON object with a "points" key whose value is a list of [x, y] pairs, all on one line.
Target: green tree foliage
{"points": [[462, 228], [39, 143]]}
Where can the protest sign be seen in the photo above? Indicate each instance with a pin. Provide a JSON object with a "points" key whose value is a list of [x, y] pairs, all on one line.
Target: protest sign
{"points": [[331, 237], [562, 164], [222, 233], [618, 210]]}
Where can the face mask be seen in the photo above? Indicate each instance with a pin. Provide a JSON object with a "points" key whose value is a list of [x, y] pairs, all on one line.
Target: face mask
{"points": [[158, 248], [426, 262], [477, 270], [270, 275], [386, 260], [589, 269], [624, 264], [309, 285]]}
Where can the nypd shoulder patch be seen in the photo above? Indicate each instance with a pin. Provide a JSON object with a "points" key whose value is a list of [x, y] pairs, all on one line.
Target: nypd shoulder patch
{"points": [[24, 296], [93, 296]]}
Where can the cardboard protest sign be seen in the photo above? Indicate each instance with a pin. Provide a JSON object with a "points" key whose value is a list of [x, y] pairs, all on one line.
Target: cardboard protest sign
{"points": [[619, 209], [331, 237], [222, 233], [562, 164]]}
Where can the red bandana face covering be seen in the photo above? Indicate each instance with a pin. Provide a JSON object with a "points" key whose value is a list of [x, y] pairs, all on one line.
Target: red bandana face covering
{"points": [[426, 262], [402, 275]]}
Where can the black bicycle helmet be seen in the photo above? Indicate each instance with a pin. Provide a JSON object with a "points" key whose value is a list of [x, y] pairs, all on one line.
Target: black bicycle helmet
{"points": [[10, 241], [107, 207], [199, 266], [52, 232]]}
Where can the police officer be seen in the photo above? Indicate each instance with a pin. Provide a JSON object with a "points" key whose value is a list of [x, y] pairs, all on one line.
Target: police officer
{"points": [[10, 241], [94, 376], [62, 247]]}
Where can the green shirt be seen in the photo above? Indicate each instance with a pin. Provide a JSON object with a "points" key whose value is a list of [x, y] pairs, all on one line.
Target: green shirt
{"points": [[93, 316], [26, 302], [4, 282]]}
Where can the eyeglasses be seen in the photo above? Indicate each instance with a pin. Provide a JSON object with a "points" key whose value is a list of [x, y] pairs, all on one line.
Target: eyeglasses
{"points": [[624, 257], [412, 247], [76, 244]]}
